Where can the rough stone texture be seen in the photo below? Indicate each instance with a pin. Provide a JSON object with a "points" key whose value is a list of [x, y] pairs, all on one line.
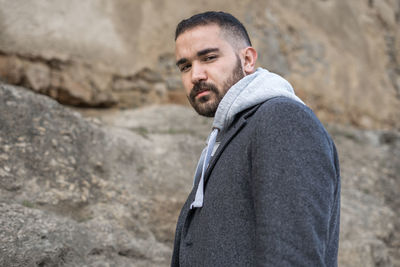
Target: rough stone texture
{"points": [[106, 190], [80, 85], [342, 56], [370, 167], [100, 193]]}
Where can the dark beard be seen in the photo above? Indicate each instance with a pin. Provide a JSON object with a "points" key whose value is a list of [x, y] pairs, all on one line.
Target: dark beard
{"points": [[206, 106]]}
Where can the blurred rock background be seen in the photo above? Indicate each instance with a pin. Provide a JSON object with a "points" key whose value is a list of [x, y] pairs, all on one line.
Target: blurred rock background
{"points": [[97, 177]]}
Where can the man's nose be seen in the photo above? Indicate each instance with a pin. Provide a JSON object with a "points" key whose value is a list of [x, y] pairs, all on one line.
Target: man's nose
{"points": [[198, 73]]}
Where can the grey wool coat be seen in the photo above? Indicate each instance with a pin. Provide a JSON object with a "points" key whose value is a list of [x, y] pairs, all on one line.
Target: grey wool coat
{"points": [[272, 194]]}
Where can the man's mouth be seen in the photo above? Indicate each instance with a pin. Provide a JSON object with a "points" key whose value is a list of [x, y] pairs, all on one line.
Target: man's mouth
{"points": [[202, 93]]}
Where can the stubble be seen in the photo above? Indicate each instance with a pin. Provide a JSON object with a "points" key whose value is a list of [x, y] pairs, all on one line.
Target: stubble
{"points": [[207, 105]]}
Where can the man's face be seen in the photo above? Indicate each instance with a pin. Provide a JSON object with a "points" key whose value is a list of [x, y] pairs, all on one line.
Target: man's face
{"points": [[209, 66]]}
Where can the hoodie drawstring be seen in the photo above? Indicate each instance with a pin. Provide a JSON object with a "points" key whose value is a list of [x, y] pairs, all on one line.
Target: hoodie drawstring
{"points": [[198, 200]]}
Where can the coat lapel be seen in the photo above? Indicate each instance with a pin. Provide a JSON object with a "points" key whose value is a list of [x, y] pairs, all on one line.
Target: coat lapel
{"points": [[236, 127], [187, 214]]}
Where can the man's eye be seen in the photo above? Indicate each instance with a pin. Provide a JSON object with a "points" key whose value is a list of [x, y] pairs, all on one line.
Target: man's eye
{"points": [[184, 68], [209, 58]]}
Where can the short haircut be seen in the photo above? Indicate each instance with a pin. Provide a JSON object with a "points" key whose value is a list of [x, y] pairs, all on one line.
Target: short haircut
{"points": [[224, 20]]}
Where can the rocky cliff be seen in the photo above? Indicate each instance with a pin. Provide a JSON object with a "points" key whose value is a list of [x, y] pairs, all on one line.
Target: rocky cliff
{"points": [[85, 183], [341, 56], [106, 190], [77, 192]]}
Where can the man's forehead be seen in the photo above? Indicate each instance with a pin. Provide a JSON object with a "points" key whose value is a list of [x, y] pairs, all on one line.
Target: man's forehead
{"points": [[199, 35], [197, 39], [201, 29]]}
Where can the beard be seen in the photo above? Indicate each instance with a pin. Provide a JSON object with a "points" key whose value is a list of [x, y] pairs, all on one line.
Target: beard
{"points": [[207, 105]]}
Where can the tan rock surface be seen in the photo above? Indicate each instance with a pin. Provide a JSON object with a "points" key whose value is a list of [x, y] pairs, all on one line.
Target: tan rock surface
{"points": [[100, 192], [107, 190], [342, 56]]}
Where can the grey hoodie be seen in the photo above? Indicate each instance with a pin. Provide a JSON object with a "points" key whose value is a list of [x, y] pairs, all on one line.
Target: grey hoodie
{"points": [[253, 89]]}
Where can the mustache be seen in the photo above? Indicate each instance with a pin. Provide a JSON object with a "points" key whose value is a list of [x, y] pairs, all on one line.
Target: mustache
{"points": [[201, 87]]}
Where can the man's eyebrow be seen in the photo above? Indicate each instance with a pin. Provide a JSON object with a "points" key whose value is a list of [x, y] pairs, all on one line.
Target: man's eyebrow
{"points": [[181, 61], [206, 51], [199, 54]]}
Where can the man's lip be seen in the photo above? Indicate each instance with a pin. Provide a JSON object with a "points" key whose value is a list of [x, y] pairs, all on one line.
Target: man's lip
{"points": [[202, 93]]}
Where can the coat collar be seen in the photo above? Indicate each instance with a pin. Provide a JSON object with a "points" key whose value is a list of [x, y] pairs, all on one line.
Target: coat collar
{"points": [[235, 128]]}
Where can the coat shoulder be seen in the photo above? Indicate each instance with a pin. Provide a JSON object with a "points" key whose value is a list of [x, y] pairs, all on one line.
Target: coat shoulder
{"points": [[282, 116], [284, 107]]}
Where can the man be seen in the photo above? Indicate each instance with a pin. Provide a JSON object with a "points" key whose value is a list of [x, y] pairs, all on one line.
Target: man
{"points": [[267, 186]]}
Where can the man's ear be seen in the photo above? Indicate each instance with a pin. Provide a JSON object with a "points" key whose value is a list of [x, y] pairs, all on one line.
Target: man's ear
{"points": [[250, 58]]}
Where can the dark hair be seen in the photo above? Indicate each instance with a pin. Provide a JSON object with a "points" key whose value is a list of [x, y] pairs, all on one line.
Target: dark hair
{"points": [[224, 20]]}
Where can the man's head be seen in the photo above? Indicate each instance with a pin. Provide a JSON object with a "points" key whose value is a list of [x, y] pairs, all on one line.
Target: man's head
{"points": [[213, 52]]}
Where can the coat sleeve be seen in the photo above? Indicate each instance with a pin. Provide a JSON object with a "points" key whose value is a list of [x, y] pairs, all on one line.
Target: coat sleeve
{"points": [[294, 185]]}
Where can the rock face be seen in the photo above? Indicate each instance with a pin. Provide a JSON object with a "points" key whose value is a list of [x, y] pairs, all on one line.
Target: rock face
{"points": [[106, 190], [74, 192], [341, 56], [370, 208]]}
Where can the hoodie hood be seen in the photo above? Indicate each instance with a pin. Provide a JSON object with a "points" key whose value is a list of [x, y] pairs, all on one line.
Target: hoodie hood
{"points": [[251, 90]]}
